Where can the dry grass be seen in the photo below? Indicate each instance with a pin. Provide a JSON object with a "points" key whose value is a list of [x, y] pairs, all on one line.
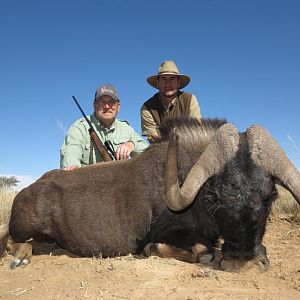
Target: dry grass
{"points": [[6, 199], [286, 204]]}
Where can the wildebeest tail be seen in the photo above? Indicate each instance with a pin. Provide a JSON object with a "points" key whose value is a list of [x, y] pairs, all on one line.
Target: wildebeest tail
{"points": [[3, 238]]}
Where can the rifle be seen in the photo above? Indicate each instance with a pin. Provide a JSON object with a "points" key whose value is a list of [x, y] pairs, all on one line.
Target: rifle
{"points": [[99, 145]]}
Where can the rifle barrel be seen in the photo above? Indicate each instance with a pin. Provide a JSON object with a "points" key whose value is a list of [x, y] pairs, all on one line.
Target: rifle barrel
{"points": [[89, 122], [99, 145]]}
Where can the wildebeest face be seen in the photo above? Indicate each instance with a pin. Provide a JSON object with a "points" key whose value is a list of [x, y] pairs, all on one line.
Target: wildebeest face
{"points": [[244, 205], [234, 179]]}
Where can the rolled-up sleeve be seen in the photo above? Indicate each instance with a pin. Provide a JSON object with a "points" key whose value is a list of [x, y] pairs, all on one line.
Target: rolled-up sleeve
{"points": [[139, 144], [125, 133]]}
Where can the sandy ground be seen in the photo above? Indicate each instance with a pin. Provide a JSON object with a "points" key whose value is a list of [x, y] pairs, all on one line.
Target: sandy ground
{"points": [[55, 274]]}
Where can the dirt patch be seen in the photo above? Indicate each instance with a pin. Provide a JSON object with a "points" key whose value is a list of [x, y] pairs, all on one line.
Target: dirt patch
{"points": [[54, 274]]}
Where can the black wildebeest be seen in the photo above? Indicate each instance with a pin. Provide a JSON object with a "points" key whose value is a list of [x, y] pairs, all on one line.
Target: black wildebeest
{"points": [[202, 181]]}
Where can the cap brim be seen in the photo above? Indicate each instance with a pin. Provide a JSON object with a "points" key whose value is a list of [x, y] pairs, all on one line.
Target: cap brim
{"points": [[184, 80], [106, 94]]}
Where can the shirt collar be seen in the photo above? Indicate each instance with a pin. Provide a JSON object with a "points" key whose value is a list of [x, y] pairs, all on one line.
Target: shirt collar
{"points": [[171, 104]]}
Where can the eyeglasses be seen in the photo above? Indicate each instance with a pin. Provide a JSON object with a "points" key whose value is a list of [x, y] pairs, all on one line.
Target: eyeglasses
{"points": [[102, 102]]}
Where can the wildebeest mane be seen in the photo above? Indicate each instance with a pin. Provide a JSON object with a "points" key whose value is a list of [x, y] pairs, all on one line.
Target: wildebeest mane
{"points": [[189, 125], [190, 130]]}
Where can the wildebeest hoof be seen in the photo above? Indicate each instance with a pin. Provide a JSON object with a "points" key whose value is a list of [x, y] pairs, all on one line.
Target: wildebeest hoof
{"points": [[263, 264], [18, 263], [206, 258], [157, 249], [231, 265], [148, 248]]}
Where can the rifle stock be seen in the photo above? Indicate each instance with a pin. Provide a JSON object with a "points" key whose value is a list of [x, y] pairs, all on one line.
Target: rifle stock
{"points": [[97, 142]]}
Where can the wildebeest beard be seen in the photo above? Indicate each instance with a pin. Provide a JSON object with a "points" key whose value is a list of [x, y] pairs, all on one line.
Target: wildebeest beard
{"points": [[240, 205]]}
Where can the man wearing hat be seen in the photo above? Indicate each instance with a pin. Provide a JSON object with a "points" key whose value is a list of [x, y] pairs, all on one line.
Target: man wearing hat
{"points": [[78, 150], [169, 101]]}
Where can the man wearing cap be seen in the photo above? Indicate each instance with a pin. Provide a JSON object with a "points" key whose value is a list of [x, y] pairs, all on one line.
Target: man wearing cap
{"points": [[77, 149], [169, 101]]}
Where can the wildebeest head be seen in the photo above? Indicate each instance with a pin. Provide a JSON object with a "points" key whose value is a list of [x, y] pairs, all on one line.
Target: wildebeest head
{"points": [[235, 178]]}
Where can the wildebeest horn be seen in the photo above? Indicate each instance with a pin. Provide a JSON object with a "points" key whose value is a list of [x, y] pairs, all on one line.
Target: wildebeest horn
{"points": [[267, 153], [220, 150]]}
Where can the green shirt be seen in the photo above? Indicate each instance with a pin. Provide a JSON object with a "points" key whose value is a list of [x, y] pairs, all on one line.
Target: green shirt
{"points": [[77, 144]]}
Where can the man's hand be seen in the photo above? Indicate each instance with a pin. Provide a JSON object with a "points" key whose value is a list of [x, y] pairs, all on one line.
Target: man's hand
{"points": [[71, 168], [155, 137], [124, 150]]}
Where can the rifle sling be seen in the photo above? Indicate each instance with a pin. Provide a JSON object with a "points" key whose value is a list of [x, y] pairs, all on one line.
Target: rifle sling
{"points": [[91, 152]]}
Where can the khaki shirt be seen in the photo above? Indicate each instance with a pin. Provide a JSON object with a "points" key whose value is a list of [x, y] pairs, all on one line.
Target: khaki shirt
{"points": [[148, 124], [77, 144]]}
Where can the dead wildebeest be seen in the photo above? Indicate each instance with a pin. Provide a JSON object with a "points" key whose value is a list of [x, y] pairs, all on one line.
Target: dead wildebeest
{"points": [[201, 182]]}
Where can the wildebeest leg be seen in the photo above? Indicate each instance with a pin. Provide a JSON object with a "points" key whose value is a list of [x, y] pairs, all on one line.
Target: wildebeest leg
{"points": [[197, 252], [3, 238], [205, 255], [22, 253], [168, 251]]}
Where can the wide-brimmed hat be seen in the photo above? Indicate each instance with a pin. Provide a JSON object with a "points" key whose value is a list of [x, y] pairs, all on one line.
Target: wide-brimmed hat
{"points": [[168, 67]]}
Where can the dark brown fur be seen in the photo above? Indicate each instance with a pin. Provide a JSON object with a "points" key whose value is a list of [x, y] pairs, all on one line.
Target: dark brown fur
{"points": [[116, 208]]}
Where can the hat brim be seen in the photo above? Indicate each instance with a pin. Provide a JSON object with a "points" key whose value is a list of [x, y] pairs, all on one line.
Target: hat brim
{"points": [[184, 80]]}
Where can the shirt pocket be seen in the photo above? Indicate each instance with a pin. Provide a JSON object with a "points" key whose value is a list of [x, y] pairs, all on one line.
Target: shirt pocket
{"points": [[118, 141], [86, 152]]}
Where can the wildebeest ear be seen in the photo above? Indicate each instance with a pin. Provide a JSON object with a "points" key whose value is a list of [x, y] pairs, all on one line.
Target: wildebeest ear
{"points": [[268, 154], [221, 149]]}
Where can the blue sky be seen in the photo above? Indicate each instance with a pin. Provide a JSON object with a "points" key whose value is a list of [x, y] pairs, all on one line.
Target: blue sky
{"points": [[242, 56]]}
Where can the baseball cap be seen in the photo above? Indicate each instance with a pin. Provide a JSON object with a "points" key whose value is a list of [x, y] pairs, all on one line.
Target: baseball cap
{"points": [[107, 90]]}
